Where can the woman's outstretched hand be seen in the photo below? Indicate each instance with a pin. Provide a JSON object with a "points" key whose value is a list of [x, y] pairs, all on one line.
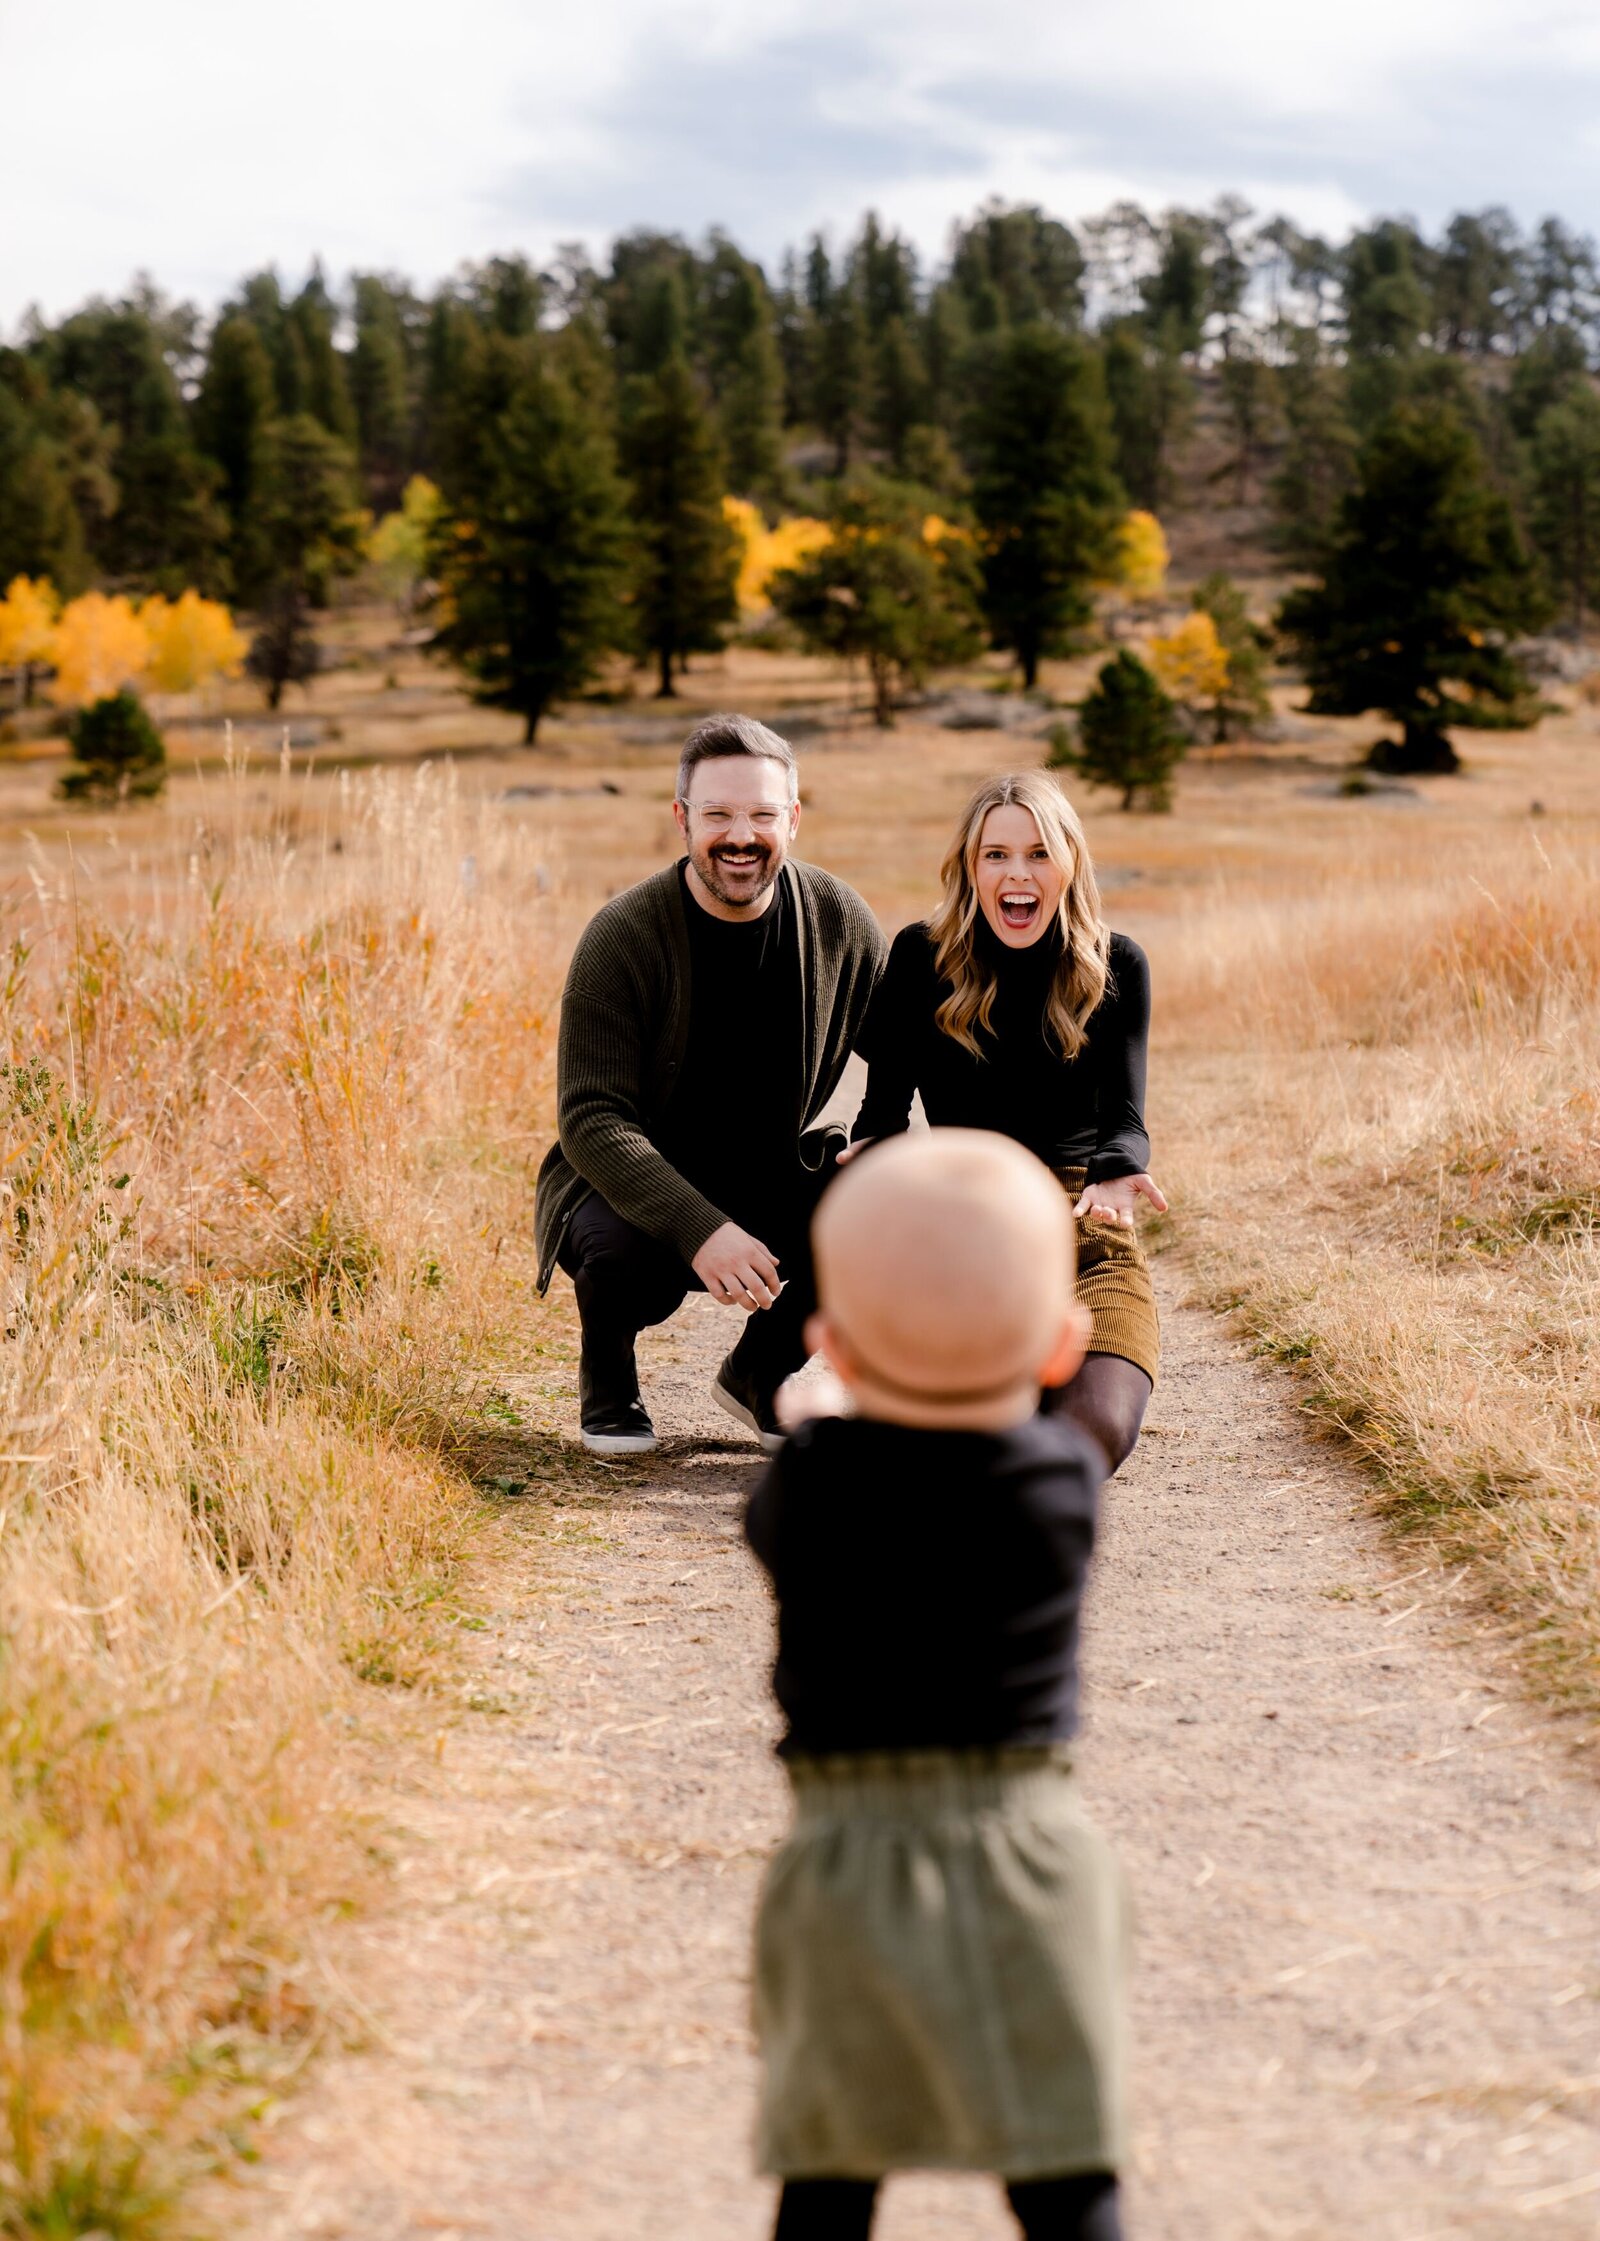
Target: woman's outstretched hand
{"points": [[1116, 1201]]}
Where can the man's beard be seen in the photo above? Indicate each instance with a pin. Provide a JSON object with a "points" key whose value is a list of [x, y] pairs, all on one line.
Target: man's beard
{"points": [[753, 884]]}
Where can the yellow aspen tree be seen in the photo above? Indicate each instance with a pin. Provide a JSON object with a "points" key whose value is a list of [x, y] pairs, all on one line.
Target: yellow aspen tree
{"points": [[744, 519], [765, 551], [1142, 555], [100, 646], [191, 641], [28, 629], [399, 545], [1191, 662]]}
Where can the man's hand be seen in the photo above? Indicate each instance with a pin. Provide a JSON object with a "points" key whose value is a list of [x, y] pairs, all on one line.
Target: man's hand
{"points": [[736, 1268], [1115, 1201]]}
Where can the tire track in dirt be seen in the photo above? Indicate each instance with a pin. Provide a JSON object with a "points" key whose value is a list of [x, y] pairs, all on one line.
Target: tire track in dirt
{"points": [[1366, 1873]]}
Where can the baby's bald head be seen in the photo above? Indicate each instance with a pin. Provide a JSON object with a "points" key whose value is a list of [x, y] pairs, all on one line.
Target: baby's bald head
{"points": [[945, 1277]]}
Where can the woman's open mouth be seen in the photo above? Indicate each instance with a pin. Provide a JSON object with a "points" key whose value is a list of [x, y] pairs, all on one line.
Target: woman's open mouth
{"points": [[1019, 911]]}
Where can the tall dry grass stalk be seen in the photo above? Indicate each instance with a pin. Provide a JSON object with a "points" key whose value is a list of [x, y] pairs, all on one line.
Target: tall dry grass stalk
{"points": [[1382, 1091], [266, 1104]]}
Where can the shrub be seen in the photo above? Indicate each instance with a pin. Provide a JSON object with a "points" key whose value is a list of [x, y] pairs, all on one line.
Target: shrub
{"points": [[1128, 735], [118, 752]]}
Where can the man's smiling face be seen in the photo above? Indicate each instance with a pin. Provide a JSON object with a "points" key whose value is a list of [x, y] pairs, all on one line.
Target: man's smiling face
{"points": [[738, 822]]}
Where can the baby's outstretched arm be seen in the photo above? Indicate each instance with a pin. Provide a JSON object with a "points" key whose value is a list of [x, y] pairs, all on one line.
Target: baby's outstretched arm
{"points": [[818, 1392]]}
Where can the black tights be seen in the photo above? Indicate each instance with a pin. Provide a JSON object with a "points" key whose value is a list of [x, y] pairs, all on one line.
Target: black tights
{"points": [[1080, 2208], [1107, 1398]]}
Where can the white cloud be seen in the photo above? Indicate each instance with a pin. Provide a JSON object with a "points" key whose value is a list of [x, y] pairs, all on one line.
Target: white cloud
{"points": [[199, 139]]}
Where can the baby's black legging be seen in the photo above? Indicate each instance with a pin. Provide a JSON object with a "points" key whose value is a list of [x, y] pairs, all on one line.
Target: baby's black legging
{"points": [[1080, 2208]]}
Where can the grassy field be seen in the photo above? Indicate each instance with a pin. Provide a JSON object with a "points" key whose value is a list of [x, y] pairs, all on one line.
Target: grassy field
{"points": [[278, 1073]]}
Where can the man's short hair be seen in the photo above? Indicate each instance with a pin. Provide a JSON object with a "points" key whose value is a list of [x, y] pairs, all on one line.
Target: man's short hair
{"points": [[715, 738]]}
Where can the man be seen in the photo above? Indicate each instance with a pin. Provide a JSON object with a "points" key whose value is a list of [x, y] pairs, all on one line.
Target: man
{"points": [[706, 1021]]}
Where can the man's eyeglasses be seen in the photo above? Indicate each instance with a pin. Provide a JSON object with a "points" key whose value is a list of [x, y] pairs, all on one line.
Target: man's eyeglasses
{"points": [[714, 815]]}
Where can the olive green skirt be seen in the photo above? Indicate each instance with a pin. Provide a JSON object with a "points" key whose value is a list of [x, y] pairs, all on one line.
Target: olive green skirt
{"points": [[1114, 1285], [941, 1957]]}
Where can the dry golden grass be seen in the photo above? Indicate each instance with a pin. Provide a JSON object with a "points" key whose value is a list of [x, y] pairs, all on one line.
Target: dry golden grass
{"points": [[1390, 1156], [267, 1103]]}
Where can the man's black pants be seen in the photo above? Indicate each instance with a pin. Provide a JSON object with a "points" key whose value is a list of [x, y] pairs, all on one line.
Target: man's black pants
{"points": [[626, 1281]]}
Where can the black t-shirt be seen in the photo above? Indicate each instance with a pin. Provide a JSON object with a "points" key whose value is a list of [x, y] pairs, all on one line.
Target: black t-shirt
{"points": [[732, 1127], [928, 1583], [1081, 1112]]}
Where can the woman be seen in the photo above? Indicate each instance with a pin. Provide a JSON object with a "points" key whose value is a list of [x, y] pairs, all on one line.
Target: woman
{"points": [[1015, 1007]]}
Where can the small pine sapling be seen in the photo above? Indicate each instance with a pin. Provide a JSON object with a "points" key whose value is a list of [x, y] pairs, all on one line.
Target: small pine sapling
{"points": [[1128, 735], [118, 754]]}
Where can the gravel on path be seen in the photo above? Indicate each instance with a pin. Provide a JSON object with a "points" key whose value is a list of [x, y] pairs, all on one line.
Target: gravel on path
{"points": [[1367, 1875]]}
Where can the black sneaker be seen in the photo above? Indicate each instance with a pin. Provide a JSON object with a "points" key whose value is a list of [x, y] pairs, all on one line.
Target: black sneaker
{"points": [[614, 1419], [622, 1428], [739, 1396]]}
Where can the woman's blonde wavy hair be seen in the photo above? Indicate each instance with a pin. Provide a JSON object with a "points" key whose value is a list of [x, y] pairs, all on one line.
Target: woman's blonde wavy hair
{"points": [[1080, 981]]}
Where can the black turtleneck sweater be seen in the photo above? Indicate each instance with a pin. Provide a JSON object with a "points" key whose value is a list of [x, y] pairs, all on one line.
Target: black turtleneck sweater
{"points": [[1085, 1112]]}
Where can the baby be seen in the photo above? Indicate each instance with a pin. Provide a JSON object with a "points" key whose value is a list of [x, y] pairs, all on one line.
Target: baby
{"points": [[940, 1946]]}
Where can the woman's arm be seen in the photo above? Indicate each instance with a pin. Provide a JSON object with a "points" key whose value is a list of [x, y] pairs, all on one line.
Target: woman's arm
{"points": [[1119, 1044], [889, 1038]]}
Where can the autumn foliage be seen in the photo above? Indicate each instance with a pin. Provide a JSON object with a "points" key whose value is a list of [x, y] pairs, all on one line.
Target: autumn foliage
{"points": [[1191, 662], [1142, 555], [100, 644], [28, 622], [765, 552], [191, 640]]}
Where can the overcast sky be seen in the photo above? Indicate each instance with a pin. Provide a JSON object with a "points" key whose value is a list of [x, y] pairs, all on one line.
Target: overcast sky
{"points": [[201, 139]]}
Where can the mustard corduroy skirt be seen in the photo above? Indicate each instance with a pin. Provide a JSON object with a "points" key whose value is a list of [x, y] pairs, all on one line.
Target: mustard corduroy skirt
{"points": [[1114, 1285]]}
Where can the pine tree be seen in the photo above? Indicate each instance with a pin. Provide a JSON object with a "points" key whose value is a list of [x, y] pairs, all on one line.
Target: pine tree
{"points": [[284, 650], [1177, 295], [1565, 475], [380, 392], [305, 530], [884, 271], [1386, 305], [839, 381], [1012, 265], [450, 348], [118, 755], [165, 530], [687, 556], [312, 319], [506, 296], [41, 530], [235, 403], [792, 331], [1318, 463], [1037, 440], [532, 550], [1544, 373], [748, 381], [1424, 581], [307, 523], [1128, 735], [883, 590], [899, 401], [1474, 282], [1250, 392], [1149, 396], [946, 334]]}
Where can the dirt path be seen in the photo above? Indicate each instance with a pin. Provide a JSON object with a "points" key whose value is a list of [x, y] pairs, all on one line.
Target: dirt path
{"points": [[1369, 1884]]}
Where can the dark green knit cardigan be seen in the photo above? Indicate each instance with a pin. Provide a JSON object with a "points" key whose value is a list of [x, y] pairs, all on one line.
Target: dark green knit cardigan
{"points": [[625, 1029]]}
